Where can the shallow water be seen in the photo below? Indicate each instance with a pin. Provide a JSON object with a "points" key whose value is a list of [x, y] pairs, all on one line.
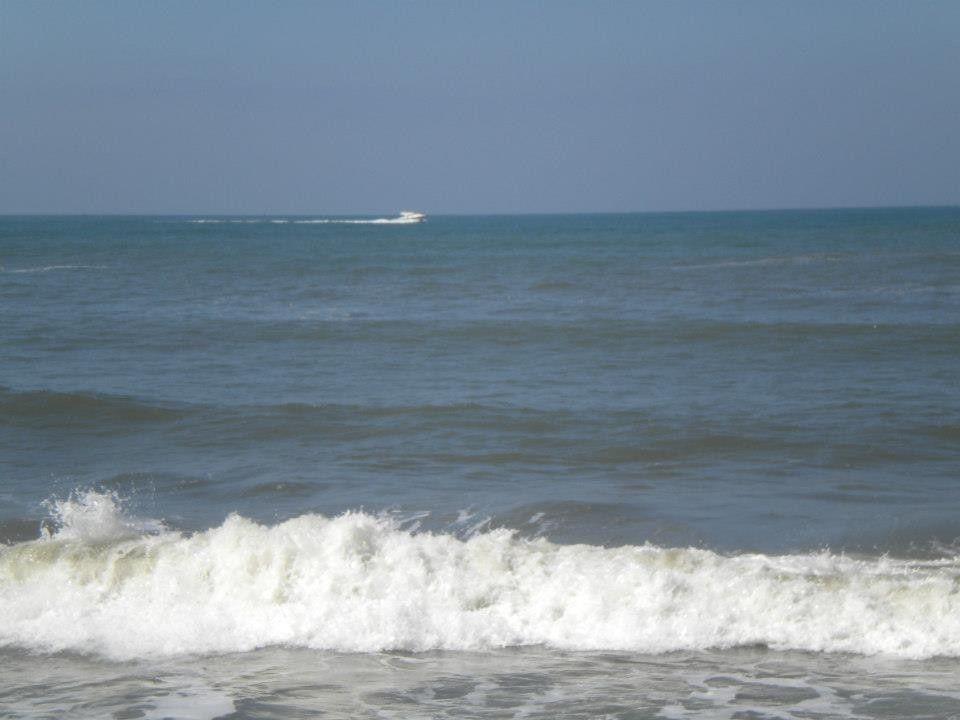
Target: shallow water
{"points": [[522, 682], [678, 465]]}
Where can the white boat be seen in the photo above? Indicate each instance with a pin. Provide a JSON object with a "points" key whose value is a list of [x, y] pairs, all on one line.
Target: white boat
{"points": [[410, 216]]}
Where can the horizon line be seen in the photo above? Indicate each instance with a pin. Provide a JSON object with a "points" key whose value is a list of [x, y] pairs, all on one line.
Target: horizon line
{"points": [[799, 208]]}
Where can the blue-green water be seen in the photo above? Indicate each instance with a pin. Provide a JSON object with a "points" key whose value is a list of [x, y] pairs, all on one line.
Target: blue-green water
{"points": [[764, 395]]}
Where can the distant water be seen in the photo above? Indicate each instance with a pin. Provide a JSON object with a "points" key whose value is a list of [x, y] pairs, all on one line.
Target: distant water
{"points": [[636, 466]]}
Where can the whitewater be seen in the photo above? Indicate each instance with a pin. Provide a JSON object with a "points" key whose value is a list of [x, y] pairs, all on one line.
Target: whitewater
{"points": [[127, 588]]}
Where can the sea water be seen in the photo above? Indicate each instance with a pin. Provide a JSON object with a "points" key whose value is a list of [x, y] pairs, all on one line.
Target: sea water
{"points": [[691, 465]]}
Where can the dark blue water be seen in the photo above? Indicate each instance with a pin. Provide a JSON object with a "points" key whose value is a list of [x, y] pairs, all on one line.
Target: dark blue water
{"points": [[770, 382]]}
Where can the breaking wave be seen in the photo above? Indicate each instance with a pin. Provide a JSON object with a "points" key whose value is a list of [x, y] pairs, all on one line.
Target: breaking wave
{"points": [[123, 587]]}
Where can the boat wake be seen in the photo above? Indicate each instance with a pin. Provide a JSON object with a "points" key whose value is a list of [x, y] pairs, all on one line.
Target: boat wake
{"points": [[404, 218]]}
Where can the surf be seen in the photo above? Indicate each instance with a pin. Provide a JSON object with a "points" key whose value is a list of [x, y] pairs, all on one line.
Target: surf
{"points": [[99, 581]]}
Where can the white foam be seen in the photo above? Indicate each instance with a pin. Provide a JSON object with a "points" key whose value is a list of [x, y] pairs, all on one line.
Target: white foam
{"points": [[762, 261], [360, 583], [50, 268], [316, 221], [90, 516], [193, 699], [720, 702]]}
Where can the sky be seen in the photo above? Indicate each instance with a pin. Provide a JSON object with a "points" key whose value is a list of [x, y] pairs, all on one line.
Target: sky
{"points": [[476, 107]]}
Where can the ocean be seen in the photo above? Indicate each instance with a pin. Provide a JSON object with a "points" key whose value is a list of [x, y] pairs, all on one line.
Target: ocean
{"points": [[677, 465]]}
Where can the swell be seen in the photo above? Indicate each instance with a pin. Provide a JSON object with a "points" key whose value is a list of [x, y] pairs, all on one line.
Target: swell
{"points": [[546, 435], [360, 583], [350, 331], [542, 435], [198, 423], [597, 333], [63, 409]]}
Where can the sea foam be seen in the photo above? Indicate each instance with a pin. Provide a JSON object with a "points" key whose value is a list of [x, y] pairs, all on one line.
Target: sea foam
{"points": [[126, 588]]}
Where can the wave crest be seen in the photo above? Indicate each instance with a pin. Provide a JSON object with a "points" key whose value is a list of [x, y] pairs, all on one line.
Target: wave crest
{"points": [[361, 583]]}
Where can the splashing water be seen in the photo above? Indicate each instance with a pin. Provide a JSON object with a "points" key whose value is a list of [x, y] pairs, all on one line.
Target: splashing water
{"points": [[93, 516], [127, 588]]}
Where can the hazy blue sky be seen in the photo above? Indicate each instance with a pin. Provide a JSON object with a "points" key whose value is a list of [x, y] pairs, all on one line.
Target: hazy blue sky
{"points": [[476, 107]]}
